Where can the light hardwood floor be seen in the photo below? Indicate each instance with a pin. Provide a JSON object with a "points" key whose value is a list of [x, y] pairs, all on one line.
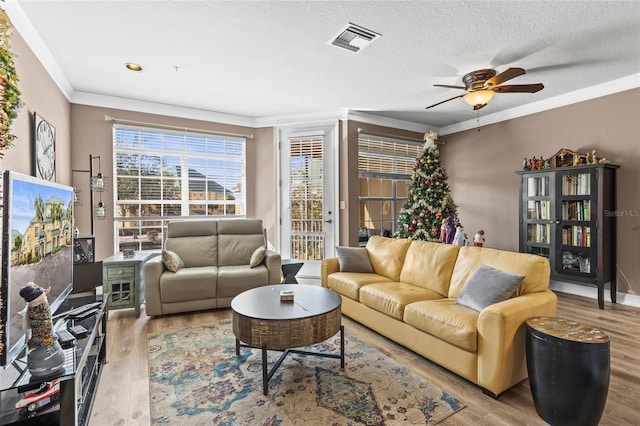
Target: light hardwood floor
{"points": [[123, 394]]}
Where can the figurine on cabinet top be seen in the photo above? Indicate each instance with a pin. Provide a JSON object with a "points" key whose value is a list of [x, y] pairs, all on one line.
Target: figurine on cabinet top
{"points": [[478, 239]]}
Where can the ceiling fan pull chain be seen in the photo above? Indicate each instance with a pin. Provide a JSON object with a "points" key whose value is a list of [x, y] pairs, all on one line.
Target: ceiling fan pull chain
{"points": [[478, 118]]}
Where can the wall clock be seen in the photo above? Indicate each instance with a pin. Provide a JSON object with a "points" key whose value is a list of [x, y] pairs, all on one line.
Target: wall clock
{"points": [[44, 149]]}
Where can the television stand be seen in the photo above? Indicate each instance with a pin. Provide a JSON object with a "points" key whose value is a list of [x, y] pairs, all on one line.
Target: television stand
{"points": [[78, 381]]}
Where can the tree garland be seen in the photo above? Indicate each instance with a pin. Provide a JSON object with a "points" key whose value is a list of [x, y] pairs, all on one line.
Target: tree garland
{"points": [[9, 92]]}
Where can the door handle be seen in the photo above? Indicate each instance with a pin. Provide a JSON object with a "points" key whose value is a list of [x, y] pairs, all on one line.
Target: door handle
{"points": [[329, 221]]}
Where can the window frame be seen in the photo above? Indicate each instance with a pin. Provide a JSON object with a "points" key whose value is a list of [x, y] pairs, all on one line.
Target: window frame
{"points": [[223, 156], [399, 169]]}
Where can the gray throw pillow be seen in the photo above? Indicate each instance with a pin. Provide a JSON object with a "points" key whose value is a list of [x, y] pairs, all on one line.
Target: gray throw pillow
{"points": [[488, 286], [258, 256], [354, 259]]}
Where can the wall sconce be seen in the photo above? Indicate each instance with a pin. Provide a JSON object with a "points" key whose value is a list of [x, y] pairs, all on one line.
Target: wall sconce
{"points": [[99, 185], [99, 182], [100, 211]]}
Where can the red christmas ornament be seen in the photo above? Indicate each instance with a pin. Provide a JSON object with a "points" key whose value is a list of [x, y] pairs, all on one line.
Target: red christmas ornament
{"points": [[411, 228], [426, 182]]}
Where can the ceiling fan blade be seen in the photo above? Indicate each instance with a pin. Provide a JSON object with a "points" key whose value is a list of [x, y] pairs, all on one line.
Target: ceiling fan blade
{"points": [[504, 76], [519, 88], [455, 97], [449, 86]]}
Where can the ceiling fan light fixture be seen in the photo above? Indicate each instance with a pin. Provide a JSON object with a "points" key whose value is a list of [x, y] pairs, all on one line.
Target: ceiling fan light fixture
{"points": [[133, 66], [478, 97]]}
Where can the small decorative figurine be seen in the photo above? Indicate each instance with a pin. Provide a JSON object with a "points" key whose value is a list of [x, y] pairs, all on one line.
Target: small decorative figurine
{"points": [[449, 230], [594, 160], [478, 239], [460, 238], [45, 356]]}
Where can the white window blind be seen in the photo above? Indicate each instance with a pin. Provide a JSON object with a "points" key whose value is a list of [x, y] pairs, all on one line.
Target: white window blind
{"points": [[384, 168], [161, 174]]}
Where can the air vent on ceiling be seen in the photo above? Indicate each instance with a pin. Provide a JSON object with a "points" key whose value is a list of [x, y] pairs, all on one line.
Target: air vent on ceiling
{"points": [[354, 38]]}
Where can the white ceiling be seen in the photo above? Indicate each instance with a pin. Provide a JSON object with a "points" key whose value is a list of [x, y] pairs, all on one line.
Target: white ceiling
{"points": [[266, 61]]}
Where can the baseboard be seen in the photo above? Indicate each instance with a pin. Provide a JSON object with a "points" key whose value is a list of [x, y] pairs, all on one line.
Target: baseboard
{"points": [[591, 292]]}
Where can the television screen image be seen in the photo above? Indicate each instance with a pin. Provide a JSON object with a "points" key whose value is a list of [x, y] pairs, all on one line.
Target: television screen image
{"points": [[37, 247]]}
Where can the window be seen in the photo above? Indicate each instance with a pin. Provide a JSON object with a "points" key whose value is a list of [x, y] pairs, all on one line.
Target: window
{"points": [[384, 169], [162, 175]]}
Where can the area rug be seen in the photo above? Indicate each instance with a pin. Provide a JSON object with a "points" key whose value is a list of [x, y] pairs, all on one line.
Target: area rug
{"points": [[195, 378]]}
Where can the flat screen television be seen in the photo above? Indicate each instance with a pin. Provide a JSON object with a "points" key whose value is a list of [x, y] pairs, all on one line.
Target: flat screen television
{"points": [[37, 246]]}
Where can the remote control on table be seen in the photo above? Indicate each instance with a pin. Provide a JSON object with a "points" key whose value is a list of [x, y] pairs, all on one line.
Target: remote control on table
{"points": [[78, 312], [65, 338], [78, 331]]}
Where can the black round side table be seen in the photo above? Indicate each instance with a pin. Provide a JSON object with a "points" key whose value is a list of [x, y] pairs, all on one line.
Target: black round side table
{"points": [[568, 366]]}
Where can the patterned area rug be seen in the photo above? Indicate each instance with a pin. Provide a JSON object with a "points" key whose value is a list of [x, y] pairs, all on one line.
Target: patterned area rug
{"points": [[197, 379]]}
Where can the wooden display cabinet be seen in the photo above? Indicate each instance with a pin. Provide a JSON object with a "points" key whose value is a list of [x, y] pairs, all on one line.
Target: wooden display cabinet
{"points": [[567, 214]]}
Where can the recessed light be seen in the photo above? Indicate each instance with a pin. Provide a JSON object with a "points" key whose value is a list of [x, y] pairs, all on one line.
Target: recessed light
{"points": [[133, 67]]}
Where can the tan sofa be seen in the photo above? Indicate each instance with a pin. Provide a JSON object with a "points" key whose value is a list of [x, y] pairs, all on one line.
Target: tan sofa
{"points": [[411, 299], [216, 255]]}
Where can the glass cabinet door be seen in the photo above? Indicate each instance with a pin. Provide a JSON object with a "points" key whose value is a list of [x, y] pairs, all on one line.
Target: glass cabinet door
{"points": [[576, 229], [539, 214]]}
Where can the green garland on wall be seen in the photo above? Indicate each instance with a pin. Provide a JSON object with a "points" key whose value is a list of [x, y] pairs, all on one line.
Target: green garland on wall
{"points": [[9, 92]]}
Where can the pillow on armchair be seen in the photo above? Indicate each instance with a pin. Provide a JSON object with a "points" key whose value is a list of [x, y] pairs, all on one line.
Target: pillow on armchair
{"points": [[258, 256], [172, 261]]}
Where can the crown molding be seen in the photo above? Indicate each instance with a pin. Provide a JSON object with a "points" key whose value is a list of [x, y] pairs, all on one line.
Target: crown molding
{"points": [[387, 122], [34, 41], [592, 92], [103, 101], [299, 119]]}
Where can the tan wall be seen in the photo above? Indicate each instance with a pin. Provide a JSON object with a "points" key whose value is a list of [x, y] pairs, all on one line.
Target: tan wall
{"points": [[40, 94], [481, 168], [92, 135]]}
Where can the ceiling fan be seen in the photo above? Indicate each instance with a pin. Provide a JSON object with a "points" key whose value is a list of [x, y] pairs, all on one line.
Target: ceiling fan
{"points": [[481, 85]]}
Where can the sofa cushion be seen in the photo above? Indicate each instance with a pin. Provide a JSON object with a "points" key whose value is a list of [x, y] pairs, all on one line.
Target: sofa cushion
{"points": [[354, 259], [387, 255], [233, 280], [240, 226], [429, 265], [258, 256], [171, 260], [195, 251], [536, 269], [192, 228], [236, 249], [446, 320], [348, 284], [188, 284], [392, 297], [488, 286]]}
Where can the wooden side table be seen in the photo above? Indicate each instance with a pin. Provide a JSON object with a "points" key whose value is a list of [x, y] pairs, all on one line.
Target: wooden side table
{"points": [[568, 366], [122, 280]]}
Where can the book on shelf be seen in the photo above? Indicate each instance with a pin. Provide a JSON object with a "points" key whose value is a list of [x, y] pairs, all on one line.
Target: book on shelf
{"points": [[576, 184]]}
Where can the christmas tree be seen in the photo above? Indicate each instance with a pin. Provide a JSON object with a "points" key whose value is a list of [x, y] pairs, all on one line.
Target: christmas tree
{"points": [[428, 199]]}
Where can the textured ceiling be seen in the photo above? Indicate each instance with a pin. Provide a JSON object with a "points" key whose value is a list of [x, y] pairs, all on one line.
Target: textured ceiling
{"points": [[266, 60]]}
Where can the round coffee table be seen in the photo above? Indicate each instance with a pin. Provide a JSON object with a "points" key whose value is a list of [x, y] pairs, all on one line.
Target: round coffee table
{"points": [[262, 321]]}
